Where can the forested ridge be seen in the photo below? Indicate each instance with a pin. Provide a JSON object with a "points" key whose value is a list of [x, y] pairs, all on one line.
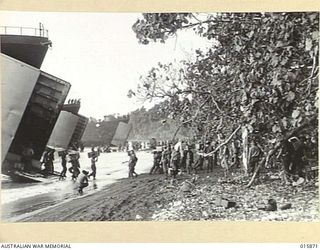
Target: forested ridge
{"points": [[152, 123]]}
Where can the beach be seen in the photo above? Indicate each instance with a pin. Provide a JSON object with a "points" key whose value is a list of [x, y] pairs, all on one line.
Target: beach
{"points": [[154, 198]]}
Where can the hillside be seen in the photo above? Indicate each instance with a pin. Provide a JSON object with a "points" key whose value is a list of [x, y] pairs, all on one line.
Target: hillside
{"points": [[147, 124]]}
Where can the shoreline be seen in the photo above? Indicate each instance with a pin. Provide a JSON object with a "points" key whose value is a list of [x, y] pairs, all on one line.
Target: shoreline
{"points": [[107, 204], [39, 199], [23, 198], [153, 198]]}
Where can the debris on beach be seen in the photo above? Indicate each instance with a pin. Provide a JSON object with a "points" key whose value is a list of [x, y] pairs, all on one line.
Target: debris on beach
{"points": [[226, 201]]}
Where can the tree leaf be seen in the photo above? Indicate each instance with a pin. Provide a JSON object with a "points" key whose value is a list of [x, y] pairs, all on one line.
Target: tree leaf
{"points": [[237, 48], [276, 128], [250, 34], [315, 35], [284, 122], [295, 114], [290, 96], [274, 60], [308, 44]]}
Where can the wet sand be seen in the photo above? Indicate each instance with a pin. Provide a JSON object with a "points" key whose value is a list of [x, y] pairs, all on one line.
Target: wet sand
{"points": [[152, 197], [122, 200], [22, 207], [20, 200]]}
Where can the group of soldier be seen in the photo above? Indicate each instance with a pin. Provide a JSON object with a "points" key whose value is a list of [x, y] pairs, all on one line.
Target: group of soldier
{"points": [[191, 158], [75, 167], [172, 160]]}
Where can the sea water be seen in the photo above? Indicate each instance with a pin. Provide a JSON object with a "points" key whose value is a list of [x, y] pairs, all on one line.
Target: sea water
{"points": [[110, 168]]}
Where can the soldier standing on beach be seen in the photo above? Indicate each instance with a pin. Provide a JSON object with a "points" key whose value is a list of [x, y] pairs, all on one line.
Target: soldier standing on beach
{"points": [[132, 164], [189, 159], [225, 155], [48, 159], [74, 159], [174, 166], [94, 159], [199, 158], [208, 159], [165, 158], [254, 156], [63, 156], [156, 162], [293, 158]]}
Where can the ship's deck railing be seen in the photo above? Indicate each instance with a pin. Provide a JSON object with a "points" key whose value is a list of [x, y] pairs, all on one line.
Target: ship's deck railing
{"points": [[23, 31]]}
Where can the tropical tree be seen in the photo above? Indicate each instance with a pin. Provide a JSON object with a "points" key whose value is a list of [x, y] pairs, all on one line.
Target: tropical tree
{"points": [[261, 73]]}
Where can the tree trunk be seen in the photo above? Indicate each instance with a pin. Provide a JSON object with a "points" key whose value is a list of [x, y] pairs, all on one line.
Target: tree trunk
{"points": [[264, 162], [245, 149]]}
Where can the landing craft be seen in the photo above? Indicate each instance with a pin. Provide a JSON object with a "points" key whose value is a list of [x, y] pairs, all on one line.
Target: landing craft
{"points": [[32, 100], [31, 105], [121, 135]]}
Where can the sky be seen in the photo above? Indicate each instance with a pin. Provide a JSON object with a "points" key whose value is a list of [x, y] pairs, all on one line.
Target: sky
{"points": [[100, 56]]}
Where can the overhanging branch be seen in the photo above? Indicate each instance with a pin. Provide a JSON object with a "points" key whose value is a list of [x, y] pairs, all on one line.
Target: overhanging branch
{"points": [[191, 119]]}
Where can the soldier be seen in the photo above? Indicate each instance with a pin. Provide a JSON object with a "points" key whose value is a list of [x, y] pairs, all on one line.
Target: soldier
{"points": [[215, 156], [225, 155], [199, 161], [94, 159], [235, 162], [293, 159], [132, 163], [183, 152], [48, 159], [174, 164], [27, 154], [254, 156], [208, 159], [63, 156], [156, 162], [165, 159], [75, 166], [83, 181], [189, 159]]}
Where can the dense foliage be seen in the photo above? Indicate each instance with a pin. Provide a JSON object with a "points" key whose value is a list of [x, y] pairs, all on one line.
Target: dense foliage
{"points": [[261, 72]]}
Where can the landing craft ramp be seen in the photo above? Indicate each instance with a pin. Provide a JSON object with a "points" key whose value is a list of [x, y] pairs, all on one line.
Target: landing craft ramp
{"points": [[121, 135], [30, 104], [41, 114], [17, 83], [63, 130]]}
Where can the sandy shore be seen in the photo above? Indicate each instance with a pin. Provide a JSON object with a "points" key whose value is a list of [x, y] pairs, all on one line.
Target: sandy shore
{"points": [[122, 200], [152, 197]]}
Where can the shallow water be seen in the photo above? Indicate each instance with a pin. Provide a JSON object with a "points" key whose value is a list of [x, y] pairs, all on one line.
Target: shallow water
{"points": [[19, 198]]}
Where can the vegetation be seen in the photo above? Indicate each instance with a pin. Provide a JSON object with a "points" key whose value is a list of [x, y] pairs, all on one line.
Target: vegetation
{"points": [[261, 73], [153, 123]]}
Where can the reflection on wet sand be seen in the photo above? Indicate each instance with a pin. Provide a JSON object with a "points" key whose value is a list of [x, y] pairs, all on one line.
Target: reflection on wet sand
{"points": [[19, 199]]}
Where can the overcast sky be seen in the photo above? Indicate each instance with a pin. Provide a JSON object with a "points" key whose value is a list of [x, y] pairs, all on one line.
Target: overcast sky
{"points": [[99, 55]]}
